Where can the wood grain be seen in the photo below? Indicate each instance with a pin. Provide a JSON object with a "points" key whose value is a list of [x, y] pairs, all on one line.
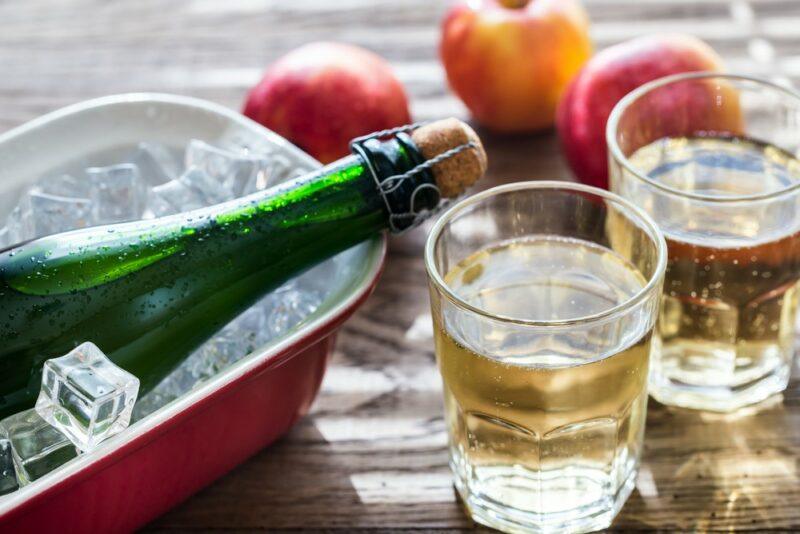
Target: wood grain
{"points": [[372, 454]]}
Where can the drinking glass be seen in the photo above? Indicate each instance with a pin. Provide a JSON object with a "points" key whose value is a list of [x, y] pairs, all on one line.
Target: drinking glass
{"points": [[713, 159], [544, 297]]}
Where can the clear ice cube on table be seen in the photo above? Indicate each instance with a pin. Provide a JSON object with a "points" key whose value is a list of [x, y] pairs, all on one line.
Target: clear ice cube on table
{"points": [[37, 447], [117, 193], [156, 163], [86, 396], [51, 214], [8, 475], [234, 171]]}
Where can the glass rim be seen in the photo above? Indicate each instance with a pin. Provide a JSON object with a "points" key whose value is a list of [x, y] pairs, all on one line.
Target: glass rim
{"points": [[621, 106], [651, 286]]}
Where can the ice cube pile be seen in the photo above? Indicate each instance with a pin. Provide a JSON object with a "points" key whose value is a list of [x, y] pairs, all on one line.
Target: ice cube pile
{"points": [[85, 398], [149, 182]]}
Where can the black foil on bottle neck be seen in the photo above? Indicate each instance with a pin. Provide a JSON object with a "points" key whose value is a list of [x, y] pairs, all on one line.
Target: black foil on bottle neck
{"points": [[395, 156]]}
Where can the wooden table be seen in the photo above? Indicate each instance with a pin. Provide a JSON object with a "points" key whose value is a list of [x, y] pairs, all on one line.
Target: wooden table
{"points": [[372, 455]]}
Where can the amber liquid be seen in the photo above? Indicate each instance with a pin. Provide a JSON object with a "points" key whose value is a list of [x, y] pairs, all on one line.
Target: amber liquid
{"points": [[727, 320], [542, 424], [728, 314]]}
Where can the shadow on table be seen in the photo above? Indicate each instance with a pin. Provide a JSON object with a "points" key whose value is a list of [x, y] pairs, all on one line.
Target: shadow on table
{"points": [[293, 483], [705, 471], [337, 471]]}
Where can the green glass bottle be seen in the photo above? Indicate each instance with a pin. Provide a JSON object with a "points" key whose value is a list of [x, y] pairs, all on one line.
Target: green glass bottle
{"points": [[150, 292]]}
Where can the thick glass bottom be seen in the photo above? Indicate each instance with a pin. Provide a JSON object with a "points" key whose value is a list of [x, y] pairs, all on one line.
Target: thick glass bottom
{"points": [[516, 500], [706, 376]]}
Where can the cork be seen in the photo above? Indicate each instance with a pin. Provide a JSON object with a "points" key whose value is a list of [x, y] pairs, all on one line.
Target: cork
{"points": [[458, 172]]}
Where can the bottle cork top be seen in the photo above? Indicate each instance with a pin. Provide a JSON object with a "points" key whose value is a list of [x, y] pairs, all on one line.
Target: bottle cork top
{"points": [[454, 174]]}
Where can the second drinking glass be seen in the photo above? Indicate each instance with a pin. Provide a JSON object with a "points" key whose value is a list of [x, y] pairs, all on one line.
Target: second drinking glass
{"points": [[713, 159]]}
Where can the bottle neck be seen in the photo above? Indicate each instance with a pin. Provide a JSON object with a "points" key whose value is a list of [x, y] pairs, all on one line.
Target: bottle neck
{"points": [[375, 178], [405, 189], [362, 194]]}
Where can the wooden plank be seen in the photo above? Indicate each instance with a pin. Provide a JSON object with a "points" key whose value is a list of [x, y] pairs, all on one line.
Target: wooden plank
{"points": [[372, 456]]}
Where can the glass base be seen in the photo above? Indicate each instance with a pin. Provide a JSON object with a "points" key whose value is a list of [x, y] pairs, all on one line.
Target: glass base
{"points": [[516, 500], [671, 386]]}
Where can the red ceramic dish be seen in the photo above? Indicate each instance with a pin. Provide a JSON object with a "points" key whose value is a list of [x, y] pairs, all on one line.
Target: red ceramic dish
{"points": [[160, 461]]}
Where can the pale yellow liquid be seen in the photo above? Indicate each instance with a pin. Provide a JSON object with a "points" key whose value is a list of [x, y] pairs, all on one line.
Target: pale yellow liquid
{"points": [[730, 294], [539, 425]]}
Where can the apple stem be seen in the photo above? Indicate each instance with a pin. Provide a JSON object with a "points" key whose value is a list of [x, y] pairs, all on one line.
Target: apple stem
{"points": [[514, 4]]}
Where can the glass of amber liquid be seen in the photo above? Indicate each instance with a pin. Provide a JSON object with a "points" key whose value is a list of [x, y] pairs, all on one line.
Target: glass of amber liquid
{"points": [[544, 296], [713, 159]]}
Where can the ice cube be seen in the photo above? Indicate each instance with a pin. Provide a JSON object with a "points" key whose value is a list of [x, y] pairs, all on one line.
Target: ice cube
{"points": [[179, 381], [86, 396], [233, 171], [222, 350], [233, 343], [64, 185], [275, 169], [288, 306], [156, 163], [51, 214], [117, 193], [8, 476], [238, 339], [249, 326], [209, 189], [149, 404], [36, 446], [173, 197], [20, 223], [175, 384]]}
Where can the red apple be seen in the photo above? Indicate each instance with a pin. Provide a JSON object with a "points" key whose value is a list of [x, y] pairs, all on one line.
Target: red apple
{"points": [[610, 75], [510, 60], [322, 95]]}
